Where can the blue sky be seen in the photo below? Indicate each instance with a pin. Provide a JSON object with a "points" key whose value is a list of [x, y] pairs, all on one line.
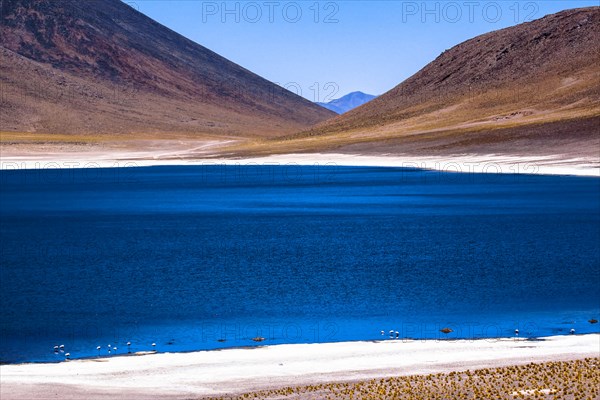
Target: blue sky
{"points": [[325, 49]]}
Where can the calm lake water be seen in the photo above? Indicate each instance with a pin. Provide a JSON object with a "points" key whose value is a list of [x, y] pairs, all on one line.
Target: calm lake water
{"points": [[208, 257]]}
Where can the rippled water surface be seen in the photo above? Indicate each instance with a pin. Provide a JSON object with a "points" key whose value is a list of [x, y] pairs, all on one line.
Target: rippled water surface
{"points": [[207, 257]]}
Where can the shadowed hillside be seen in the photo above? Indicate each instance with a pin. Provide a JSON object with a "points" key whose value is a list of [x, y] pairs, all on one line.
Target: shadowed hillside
{"points": [[101, 67]]}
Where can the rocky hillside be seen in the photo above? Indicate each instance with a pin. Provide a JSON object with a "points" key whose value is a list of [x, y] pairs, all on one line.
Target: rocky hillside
{"points": [[99, 66], [531, 87]]}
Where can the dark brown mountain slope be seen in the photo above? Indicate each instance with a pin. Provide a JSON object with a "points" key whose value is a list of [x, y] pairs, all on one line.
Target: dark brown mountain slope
{"points": [[531, 87], [100, 67]]}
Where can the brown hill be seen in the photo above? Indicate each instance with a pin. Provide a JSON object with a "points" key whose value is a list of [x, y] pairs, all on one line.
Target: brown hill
{"points": [[531, 88], [101, 67]]}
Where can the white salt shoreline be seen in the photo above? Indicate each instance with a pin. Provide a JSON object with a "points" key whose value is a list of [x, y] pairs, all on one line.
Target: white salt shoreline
{"points": [[213, 373], [492, 163]]}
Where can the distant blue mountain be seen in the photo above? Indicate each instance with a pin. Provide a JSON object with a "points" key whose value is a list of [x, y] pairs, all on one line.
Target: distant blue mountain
{"points": [[348, 102]]}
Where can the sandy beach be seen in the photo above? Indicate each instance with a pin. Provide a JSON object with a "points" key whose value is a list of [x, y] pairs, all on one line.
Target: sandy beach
{"points": [[234, 371]]}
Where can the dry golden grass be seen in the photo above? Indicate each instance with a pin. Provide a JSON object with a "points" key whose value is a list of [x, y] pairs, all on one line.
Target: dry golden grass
{"points": [[567, 380], [61, 138], [430, 134], [33, 137]]}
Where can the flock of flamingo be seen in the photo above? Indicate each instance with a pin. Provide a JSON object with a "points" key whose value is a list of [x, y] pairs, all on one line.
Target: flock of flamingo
{"points": [[111, 349], [395, 334]]}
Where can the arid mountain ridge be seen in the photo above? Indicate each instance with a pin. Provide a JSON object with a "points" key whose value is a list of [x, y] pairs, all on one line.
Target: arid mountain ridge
{"points": [[100, 66], [530, 87], [72, 71]]}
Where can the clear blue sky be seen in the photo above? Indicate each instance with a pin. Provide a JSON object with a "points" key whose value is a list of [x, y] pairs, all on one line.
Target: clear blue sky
{"points": [[369, 46]]}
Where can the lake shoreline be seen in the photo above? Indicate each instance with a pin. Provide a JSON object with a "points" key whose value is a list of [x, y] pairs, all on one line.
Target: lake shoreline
{"points": [[236, 371], [475, 163]]}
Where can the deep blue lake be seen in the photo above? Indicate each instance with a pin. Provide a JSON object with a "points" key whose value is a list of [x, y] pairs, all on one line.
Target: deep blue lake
{"points": [[205, 257]]}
